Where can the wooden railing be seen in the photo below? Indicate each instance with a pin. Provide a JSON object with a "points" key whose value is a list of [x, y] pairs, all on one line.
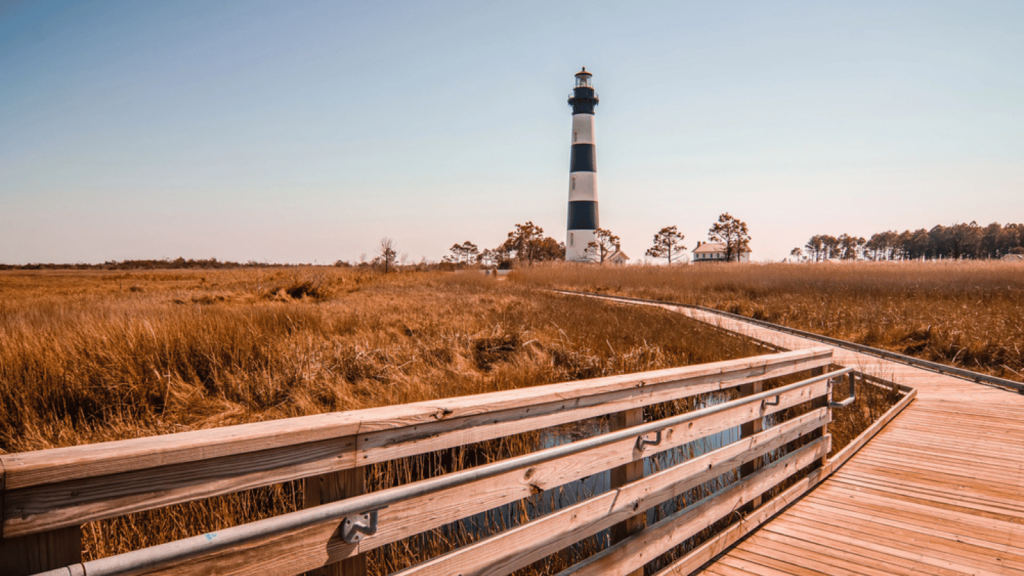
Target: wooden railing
{"points": [[47, 495]]}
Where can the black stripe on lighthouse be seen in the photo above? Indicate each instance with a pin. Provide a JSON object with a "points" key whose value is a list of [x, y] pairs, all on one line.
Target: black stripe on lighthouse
{"points": [[583, 159], [582, 215]]}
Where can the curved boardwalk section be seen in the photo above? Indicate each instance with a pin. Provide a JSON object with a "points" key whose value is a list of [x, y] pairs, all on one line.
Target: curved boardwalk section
{"points": [[939, 491]]}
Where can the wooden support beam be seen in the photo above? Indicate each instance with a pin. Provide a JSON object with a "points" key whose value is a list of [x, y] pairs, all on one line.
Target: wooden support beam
{"points": [[746, 431], [331, 488], [821, 402], [41, 552], [623, 475]]}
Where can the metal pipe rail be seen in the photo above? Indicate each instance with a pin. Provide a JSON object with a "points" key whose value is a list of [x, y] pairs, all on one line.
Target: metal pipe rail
{"points": [[172, 553], [976, 377]]}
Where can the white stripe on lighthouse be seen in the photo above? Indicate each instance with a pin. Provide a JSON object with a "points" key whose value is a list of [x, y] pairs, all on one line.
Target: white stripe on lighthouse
{"points": [[583, 129], [583, 186]]}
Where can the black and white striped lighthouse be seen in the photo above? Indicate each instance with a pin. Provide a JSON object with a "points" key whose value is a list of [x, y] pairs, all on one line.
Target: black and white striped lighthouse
{"points": [[582, 221]]}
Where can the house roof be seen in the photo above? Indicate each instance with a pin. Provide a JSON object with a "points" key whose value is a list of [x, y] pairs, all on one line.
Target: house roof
{"points": [[618, 253], [712, 248], [709, 247], [1014, 257]]}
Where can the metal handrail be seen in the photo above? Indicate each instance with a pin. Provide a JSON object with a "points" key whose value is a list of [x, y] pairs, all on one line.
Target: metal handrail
{"points": [[885, 354], [180, 550], [849, 399]]}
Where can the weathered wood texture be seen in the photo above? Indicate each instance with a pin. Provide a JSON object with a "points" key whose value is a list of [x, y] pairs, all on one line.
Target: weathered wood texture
{"points": [[313, 542], [332, 487], [623, 475], [641, 548], [51, 489], [40, 552], [520, 546], [749, 429], [939, 490]]}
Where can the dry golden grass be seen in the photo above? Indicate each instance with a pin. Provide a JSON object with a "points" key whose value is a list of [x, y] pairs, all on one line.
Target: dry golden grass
{"points": [[968, 314], [94, 356]]}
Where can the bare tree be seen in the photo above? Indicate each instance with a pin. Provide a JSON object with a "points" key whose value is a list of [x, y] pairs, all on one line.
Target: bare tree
{"points": [[733, 233], [387, 252], [667, 241], [603, 246]]}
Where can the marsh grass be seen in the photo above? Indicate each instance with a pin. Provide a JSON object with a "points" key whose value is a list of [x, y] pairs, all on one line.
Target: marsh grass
{"points": [[96, 356], [968, 314]]}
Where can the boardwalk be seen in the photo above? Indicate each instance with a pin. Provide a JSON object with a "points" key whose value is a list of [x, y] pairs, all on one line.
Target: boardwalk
{"points": [[939, 491]]}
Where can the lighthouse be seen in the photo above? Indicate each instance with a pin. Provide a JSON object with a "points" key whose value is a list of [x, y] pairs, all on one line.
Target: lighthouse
{"points": [[582, 221]]}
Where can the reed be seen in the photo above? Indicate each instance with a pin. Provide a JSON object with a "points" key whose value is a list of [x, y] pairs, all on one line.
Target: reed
{"points": [[92, 356], [963, 313]]}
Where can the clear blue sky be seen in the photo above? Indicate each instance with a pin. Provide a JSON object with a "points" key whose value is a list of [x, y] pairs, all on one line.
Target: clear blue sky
{"points": [[305, 131]]}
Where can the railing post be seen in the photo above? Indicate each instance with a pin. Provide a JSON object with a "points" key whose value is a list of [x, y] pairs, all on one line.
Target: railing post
{"points": [[747, 430], [625, 474], [36, 552], [41, 552], [822, 402], [330, 488]]}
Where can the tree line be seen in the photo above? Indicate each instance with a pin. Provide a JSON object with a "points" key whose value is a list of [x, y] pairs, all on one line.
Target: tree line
{"points": [[959, 241], [527, 244]]}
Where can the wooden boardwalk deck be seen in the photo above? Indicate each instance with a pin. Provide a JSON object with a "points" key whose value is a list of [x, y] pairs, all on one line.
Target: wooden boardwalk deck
{"points": [[939, 491]]}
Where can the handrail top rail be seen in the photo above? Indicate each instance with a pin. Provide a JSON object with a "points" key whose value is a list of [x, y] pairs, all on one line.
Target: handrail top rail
{"points": [[165, 554], [26, 469]]}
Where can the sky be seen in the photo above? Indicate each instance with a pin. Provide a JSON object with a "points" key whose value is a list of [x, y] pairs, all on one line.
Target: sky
{"points": [[306, 131]]}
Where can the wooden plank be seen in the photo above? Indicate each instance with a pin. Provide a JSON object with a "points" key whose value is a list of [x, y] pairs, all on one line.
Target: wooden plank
{"points": [[326, 488], [624, 475], [73, 502], [62, 464], [53, 506], [900, 542], [663, 536], [1002, 535], [40, 552], [791, 565], [843, 546], [525, 544], [749, 429], [827, 563], [936, 530], [888, 489]]}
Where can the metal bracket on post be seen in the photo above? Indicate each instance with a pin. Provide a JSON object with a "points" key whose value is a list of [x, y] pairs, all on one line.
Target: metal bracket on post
{"points": [[356, 525], [849, 399], [642, 442], [775, 402]]}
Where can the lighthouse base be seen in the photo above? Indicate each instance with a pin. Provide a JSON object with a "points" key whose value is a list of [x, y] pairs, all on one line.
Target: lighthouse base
{"points": [[577, 247]]}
